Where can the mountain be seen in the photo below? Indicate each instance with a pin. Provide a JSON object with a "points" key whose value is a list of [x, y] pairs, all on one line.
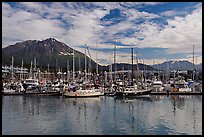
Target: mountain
{"points": [[48, 51], [199, 66], [177, 65], [120, 66], [52, 52]]}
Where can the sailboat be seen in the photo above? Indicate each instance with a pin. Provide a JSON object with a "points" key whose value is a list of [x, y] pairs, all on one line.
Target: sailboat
{"points": [[86, 89], [134, 89]]}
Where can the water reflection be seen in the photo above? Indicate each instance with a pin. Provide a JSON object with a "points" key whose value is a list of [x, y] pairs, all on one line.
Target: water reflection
{"points": [[84, 112], [129, 98], [151, 115]]}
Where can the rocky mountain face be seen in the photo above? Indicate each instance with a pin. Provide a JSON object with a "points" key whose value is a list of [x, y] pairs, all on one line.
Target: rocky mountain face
{"points": [[56, 54], [48, 51]]}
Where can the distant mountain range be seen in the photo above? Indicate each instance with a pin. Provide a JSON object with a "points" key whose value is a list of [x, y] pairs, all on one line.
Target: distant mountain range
{"points": [[55, 53], [177, 65]]}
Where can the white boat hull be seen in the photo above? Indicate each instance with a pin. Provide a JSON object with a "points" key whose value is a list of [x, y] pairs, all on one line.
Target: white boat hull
{"points": [[83, 93]]}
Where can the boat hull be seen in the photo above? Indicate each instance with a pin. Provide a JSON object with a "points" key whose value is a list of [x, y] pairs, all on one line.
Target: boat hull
{"points": [[78, 94], [135, 93], [44, 93]]}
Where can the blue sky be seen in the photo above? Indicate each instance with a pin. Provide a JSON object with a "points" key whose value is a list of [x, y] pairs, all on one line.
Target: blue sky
{"points": [[157, 30]]}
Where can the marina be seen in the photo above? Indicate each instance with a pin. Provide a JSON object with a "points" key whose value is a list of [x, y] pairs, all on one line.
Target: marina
{"points": [[101, 68], [134, 82]]}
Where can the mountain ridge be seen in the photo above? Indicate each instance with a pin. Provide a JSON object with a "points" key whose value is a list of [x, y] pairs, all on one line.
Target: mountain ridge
{"points": [[55, 53]]}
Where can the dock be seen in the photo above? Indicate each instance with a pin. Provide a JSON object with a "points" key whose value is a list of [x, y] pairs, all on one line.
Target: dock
{"points": [[176, 93], [12, 93]]}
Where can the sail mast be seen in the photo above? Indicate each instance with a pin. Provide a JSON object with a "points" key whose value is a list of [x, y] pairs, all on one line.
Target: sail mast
{"points": [[31, 69], [34, 68], [115, 61], [12, 69], [110, 71], [193, 63], [48, 71], [137, 74], [21, 76], [73, 65], [132, 65], [85, 64], [97, 57]]}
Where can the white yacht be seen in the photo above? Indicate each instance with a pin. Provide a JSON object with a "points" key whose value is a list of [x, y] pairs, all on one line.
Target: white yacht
{"points": [[157, 86], [84, 92], [182, 86], [31, 85]]}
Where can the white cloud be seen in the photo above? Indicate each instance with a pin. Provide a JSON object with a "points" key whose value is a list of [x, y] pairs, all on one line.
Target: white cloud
{"points": [[39, 21], [172, 13], [178, 36]]}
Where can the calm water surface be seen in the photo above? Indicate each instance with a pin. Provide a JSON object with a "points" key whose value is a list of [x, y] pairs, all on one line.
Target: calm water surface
{"points": [[155, 115]]}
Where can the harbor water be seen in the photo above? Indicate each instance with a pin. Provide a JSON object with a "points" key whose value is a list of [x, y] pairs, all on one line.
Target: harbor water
{"points": [[57, 115]]}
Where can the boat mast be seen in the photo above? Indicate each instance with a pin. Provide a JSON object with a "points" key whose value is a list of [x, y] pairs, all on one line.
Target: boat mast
{"points": [[34, 68], [123, 78], [73, 66], [56, 65], [12, 68], [158, 72], [132, 65], [48, 78], [110, 72], [193, 63], [85, 65], [167, 70], [79, 64], [67, 70], [115, 61], [89, 66], [97, 57], [31, 68], [137, 74], [21, 76], [144, 71]]}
